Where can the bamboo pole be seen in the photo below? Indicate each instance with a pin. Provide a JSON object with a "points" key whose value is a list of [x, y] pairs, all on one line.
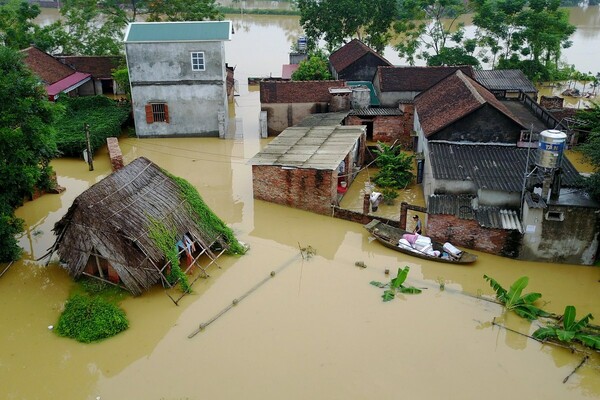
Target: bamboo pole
{"points": [[576, 368], [6, 269]]}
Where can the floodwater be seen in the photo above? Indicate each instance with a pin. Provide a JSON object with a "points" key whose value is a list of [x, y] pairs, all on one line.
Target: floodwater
{"points": [[317, 329]]}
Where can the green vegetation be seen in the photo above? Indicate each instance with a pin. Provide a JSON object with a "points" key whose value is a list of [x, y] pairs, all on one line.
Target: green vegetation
{"points": [[569, 329], [395, 167], [208, 221], [257, 11], [427, 27], [315, 68], [27, 145], [165, 238], [389, 196], [90, 318], [337, 21], [121, 76], [513, 299], [591, 148], [396, 286], [104, 116]]}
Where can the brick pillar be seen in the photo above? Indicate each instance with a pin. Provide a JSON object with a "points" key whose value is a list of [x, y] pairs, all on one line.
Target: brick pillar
{"points": [[403, 212], [366, 203], [114, 152]]}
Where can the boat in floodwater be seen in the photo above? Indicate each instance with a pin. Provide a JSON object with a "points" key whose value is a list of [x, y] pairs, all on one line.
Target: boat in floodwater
{"points": [[390, 236]]}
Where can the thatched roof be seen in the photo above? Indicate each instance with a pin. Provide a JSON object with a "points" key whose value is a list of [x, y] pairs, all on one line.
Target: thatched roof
{"points": [[112, 219]]}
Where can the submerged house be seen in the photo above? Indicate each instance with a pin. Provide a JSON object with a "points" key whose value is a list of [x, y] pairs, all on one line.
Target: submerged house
{"points": [[57, 77], [355, 61], [309, 167], [106, 233], [178, 77]]}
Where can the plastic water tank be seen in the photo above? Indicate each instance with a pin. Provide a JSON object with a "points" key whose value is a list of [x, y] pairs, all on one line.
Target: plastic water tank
{"points": [[550, 148]]}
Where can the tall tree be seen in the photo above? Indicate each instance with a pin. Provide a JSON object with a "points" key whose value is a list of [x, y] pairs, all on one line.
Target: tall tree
{"points": [[314, 68], [426, 27], [338, 21], [26, 144], [182, 10], [523, 33]]}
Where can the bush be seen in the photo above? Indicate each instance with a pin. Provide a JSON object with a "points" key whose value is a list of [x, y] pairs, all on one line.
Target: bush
{"points": [[395, 167], [9, 227], [389, 196], [89, 319], [103, 115]]}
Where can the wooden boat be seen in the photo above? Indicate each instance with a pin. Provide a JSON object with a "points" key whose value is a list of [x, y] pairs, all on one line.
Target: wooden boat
{"points": [[389, 236]]}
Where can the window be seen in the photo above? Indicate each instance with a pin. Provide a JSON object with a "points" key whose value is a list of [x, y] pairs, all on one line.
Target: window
{"points": [[198, 61], [555, 216], [157, 112]]}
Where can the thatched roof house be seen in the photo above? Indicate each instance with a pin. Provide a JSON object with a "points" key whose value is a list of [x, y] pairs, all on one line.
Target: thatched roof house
{"points": [[106, 231]]}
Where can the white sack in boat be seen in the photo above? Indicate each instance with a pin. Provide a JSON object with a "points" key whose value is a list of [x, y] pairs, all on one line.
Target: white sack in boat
{"points": [[449, 248]]}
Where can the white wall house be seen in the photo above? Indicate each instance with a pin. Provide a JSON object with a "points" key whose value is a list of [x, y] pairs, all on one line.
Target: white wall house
{"points": [[178, 77]]}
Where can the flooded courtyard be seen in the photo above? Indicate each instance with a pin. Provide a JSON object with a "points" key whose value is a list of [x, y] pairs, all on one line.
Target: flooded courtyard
{"points": [[317, 329]]}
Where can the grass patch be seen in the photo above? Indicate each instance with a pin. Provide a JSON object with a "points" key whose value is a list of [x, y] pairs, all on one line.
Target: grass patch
{"points": [[90, 318]]}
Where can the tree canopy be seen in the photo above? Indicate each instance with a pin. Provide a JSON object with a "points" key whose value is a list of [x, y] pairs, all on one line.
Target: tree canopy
{"points": [[26, 144], [314, 68], [338, 21], [591, 148]]}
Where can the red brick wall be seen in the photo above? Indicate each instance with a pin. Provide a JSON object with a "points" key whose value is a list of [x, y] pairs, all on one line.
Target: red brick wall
{"points": [[297, 91], [388, 129], [466, 233], [307, 189], [114, 152]]}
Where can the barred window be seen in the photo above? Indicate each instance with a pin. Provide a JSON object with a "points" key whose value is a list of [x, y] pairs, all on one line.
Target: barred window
{"points": [[157, 112], [197, 61]]}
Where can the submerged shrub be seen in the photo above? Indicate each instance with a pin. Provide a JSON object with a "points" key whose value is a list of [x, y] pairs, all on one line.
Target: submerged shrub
{"points": [[89, 319]]}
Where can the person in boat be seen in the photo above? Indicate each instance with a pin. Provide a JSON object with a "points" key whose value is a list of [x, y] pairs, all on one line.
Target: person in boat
{"points": [[418, 230]]}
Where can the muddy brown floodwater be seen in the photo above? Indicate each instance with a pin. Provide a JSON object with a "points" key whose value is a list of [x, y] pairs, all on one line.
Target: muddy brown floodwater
{"points": [[317, 330]]}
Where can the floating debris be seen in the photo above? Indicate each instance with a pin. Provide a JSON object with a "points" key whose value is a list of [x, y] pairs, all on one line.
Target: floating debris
{"points": [[360, 264]]}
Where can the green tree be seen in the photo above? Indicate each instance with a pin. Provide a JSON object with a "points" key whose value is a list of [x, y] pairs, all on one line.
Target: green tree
{"points": [[426, 27], [338, 21], [182, 10], [524, 34], [314, 68], [395, 167], [453, 56], [591, 149], [121, 76], [17, 27], [26, 144]]}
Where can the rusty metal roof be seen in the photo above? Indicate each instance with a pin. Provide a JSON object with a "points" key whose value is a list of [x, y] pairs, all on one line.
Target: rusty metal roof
{"points": [[318, 147]]}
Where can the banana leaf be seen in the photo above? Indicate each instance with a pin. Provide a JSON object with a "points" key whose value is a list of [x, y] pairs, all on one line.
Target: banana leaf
{"points": [[592, 341], [500, 291], [514, 293]]}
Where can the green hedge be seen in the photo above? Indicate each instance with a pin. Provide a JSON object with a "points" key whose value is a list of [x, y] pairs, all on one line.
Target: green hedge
{"points": [[103, 115]]}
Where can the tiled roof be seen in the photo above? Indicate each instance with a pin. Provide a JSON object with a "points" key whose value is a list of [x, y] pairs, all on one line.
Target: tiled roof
{"points": [[100, 67], [272, 91], [46, 67], [415, 79], [186, 31], [492, 167], [504, 79], [320, 147], [350, 53], [453, 98]]}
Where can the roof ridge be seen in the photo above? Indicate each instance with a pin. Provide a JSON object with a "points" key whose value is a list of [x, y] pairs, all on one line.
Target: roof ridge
{"points": [[459, 74]]}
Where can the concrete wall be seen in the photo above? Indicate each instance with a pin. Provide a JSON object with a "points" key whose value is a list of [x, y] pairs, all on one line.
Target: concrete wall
{"points": [[574, 240], [162, 72], [307, 189], [468, 234], [283, 115], [498, 198]]}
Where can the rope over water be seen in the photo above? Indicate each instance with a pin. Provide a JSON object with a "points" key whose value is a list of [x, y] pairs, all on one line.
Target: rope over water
{"points": [[235, 301]]}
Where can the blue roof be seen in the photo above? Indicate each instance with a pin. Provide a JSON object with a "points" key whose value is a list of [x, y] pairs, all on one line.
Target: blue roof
{"points": [[139, 32]]}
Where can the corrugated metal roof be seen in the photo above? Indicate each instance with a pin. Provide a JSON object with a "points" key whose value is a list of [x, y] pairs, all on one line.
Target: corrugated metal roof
{"points": [[320, 147], [492, 167], [459, 205], [374, 111], [504, 79], [140, 32]]}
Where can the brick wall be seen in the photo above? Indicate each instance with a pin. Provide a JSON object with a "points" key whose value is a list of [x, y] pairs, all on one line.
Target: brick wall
{"points": [[297, 91], [306, 189], [388, 129], [551, 102], [468, 234], [114, 152]]}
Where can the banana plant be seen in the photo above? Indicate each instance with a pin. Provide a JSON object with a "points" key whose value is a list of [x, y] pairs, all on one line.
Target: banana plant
{"points": [[569, 329], [513, 299], [396, 285]]}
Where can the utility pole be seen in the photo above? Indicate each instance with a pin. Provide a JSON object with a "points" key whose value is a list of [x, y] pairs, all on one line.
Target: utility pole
{"points": [[89, 146]]}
